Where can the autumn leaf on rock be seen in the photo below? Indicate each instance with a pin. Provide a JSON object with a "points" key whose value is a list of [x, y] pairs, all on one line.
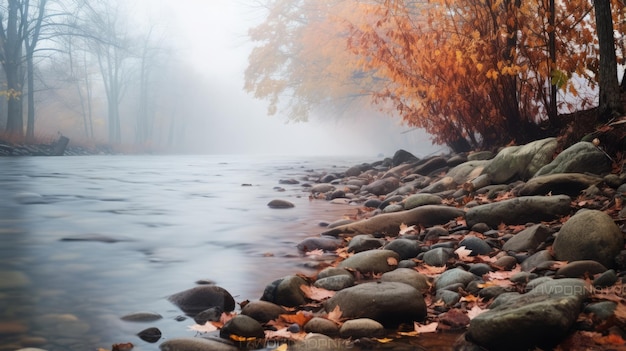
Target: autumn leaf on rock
{"points": [[475, 311], [404, 229], [464, 254], [315, 293], [282, 334], [392, 261], [335, 315], [300, 318]]}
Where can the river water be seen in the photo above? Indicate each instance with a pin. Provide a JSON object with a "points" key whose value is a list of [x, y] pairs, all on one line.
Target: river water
{"points": [[171, 220]]}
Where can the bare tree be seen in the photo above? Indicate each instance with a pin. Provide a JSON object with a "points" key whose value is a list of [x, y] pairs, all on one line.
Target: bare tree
{"points": [[610, 101]]}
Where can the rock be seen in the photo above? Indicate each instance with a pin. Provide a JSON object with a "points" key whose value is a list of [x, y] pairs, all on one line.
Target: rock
{"points": [[438, 256], [322, 188], [141, 317], [561, 183], [393, 208], [373, 203], [520, 162], [196, 344], [402, 156], [520, 210], [528, 239], [389, 303], [382, 186], [454, 276], [315, 342], [332, 271], [445, 183], [326, 243], [373, 261], [150, 335], [262, 311], [582, 157], [589, 235], [361, 327], [355, 170], [277, 203], [285, 291], [335, 283], [364, 242], [480, 155], [505, 263], [417, 200], [467, 171], [203, 297], [389, 223], [212, 314], [605, 279], [426, 166], [479, 269], [476, 245], [407, 276], [405, 248], [321, 326], [536, 259], [448, 297], [580, 269], [242, 325], [542, 317], [602, 310]]}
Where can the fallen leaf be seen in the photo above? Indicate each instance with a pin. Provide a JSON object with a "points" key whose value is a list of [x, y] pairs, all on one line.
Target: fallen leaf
{"points": [[611, 339], [316, 294], [464, 254], [203, 328], [392, 261], [123, 347], [317, 252], [475, 311], [335, 315], [404, 229], [470, 298], [238, 338], [428, 328], [282, 334], [430, 270], [384, 340], [300, 318]]}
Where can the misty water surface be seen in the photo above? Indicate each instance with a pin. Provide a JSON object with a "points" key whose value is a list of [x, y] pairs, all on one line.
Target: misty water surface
{"points": [[176, 220]]}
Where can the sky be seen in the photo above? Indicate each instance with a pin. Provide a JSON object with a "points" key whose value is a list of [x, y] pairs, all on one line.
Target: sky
{"points": [[212, 35]]}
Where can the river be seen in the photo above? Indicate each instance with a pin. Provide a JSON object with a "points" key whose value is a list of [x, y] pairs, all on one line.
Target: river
{"points": [[171, 221]]}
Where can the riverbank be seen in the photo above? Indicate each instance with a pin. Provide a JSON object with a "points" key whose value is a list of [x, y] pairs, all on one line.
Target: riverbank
{"points": [[510, 251]]}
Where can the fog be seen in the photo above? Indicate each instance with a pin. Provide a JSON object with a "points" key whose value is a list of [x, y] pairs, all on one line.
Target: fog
{"points": [[212, 37]]}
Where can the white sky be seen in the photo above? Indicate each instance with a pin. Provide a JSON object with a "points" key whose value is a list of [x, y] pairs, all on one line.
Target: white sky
{"points": [[213, 35]]}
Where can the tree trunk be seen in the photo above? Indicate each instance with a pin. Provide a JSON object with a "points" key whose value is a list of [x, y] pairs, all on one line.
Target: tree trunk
{"points": [[610, 102], [12, 47]]}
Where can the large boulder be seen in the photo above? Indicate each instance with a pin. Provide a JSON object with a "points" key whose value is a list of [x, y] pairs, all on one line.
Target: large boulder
{"points": [[589, 235], [202, 298], [582, 157], [520, 162], [541, 317], [389, 303], [519, 210]]}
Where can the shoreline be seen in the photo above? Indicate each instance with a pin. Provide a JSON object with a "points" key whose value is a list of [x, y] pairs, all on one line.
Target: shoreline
{"points": [[448, 251]]}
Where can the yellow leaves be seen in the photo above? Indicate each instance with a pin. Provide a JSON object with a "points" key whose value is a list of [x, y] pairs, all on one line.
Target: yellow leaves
{"points": [[479, 67], [492, 74]]}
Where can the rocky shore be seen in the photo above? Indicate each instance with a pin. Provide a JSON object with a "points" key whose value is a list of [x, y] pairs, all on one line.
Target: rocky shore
{"points": [[520, 250]]}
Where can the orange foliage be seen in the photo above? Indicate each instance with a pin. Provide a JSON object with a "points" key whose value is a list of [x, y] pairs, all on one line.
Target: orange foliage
{"points": [[472, 73]]}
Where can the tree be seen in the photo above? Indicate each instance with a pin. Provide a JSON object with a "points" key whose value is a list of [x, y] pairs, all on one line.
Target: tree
{"points": [[610, 99], [11, 45]]}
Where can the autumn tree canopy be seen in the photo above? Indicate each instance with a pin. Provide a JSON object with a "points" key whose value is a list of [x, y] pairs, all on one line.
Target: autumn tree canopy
{"points": [[472, 73]]}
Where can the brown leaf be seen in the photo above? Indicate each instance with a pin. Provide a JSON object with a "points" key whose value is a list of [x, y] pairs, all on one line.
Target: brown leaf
{"points": [[428, 328], [335, 315], [430, 270], [300, 318], [475, 311], [464, 254], [316, 294], [392, 261]]}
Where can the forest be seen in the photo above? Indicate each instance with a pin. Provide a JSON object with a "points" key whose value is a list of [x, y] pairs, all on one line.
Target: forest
{"points": [[475, 74], [91, 71]]}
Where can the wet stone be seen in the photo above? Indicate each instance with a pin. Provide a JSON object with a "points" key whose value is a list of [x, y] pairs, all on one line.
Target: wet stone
{"points": [[438, 256], [141, 317], [335, 283], [321, 326]]}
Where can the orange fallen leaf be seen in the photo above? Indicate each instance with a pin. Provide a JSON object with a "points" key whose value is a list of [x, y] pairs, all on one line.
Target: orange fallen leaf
{"points": [[611, 339], [335, 315], [392, 261], [283, 347], [384, 340], [300, 318], [282, 334], [316, 294]]}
